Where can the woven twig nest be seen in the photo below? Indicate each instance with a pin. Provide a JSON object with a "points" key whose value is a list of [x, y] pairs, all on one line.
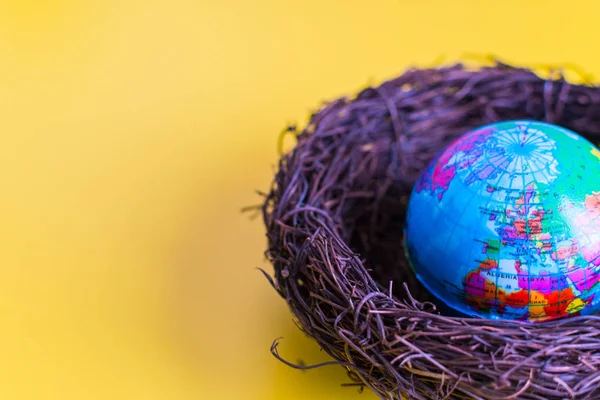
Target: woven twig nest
{"points": [[334, 220]]}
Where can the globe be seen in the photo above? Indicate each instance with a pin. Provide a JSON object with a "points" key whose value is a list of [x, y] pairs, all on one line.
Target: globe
{"points": [[505, 223]]}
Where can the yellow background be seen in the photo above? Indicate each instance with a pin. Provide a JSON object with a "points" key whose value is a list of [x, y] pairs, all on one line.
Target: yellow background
{"points": [[132, 132]]}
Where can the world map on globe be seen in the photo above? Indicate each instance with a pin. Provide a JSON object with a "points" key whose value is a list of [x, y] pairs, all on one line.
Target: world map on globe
{"points": [[505, 223]]}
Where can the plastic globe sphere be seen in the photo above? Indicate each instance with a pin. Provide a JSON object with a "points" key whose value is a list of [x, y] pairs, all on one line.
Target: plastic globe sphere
{"points": [[505, 223]]}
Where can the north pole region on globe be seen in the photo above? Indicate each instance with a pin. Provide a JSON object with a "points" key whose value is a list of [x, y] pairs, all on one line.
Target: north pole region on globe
{"points": [[505, 223]]}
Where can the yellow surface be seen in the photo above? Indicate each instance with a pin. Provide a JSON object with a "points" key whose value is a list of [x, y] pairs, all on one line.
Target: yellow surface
{"points": [[132, 132]]}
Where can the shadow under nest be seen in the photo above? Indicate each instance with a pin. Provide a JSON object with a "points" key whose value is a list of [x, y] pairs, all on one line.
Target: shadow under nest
{"points": [[334, 219]]}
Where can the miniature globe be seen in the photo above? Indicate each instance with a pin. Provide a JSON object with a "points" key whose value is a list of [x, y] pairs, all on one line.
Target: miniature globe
{"points": [[505, 223]]}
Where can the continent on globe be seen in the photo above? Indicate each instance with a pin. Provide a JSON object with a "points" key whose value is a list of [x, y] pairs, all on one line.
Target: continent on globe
{"points": [[505, 223]]}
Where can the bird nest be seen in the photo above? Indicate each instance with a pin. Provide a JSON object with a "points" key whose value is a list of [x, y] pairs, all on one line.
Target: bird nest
{"points": [[334, 219]]}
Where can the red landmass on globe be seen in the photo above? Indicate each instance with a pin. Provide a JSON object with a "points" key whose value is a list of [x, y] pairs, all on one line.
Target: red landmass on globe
{"points": [[540, 292], [438, 177]]}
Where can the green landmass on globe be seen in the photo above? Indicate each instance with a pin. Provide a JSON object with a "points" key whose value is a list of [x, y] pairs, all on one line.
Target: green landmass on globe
{"points": [[505, 223]]}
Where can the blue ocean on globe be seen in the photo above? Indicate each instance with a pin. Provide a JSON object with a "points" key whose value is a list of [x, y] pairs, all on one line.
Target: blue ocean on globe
{"points": [[505, 223]]}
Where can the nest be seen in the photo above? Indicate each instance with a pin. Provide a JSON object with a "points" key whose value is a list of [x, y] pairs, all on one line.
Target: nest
{"points": [[334, 219]]}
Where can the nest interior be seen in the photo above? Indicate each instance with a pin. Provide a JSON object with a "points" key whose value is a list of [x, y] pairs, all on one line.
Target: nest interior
{"points": [[334, 219]]}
